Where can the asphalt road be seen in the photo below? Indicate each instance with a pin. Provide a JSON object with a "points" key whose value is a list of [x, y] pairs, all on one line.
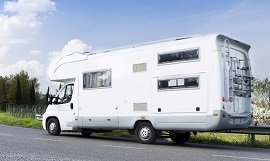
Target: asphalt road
{"points": [[28, 144]]}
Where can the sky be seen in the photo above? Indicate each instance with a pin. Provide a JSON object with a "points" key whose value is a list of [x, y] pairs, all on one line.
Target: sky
{"points": [[33, 32]]}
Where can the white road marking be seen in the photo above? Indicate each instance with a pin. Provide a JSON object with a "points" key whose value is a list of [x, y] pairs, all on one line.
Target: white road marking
{"points": [[124, 147], [43, 139], [4, 134], [239, 157]]}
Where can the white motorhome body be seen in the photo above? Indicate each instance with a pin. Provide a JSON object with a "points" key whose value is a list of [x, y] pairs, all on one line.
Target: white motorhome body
{"points": [[197, 83]]}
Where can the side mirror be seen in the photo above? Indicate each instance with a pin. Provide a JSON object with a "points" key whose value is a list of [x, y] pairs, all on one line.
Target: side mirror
{"points": [[49, 100], [55, 100], [52, 100]]}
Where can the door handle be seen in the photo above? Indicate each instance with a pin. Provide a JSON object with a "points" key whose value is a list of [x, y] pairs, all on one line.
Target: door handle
{"points": [[71, 106]]}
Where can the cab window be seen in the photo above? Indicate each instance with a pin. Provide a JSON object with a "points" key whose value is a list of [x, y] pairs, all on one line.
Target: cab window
{"points": [[66, 94]]}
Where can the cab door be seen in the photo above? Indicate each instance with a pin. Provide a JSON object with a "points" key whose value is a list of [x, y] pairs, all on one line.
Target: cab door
{"points": [[67, 106]]}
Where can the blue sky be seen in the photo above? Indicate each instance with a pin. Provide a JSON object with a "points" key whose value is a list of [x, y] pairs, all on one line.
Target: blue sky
{"points": [[32, 32]]}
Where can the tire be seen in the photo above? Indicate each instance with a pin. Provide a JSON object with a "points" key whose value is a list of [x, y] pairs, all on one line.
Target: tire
{"points": [[179, 138], [53, 126], [145, 133]]}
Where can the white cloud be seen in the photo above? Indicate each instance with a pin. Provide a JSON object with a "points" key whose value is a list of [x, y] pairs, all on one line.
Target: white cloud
{"points": [[30, 6], [33, 67], [52, 55], [74, 45], [17, 29], [3, 51], [21, 20], [35, 53]]}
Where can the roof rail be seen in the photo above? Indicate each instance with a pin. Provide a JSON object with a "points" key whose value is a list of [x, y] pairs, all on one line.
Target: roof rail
{"points": [[143, 44]]}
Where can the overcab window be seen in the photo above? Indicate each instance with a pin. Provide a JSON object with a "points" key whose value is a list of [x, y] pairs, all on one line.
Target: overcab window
{"points": [[176, 83], [178, 56], [97, 79]]}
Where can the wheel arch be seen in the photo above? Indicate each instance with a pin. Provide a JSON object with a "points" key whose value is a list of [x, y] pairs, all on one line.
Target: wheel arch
{"points": [[140, 121]]}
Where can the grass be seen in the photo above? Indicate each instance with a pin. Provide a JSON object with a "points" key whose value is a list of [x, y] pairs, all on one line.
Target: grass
{"points": [[7, 119], [262, 141]]}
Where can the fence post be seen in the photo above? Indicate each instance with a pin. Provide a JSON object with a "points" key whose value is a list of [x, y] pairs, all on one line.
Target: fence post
{"points": [[252, 138]]}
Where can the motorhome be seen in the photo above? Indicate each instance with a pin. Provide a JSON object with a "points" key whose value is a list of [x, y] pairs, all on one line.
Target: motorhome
{"points": [[178, 85]]}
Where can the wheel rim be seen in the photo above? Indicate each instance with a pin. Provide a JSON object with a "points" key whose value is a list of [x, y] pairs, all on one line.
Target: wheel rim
{"points": [[145, 133], [52, 126]]}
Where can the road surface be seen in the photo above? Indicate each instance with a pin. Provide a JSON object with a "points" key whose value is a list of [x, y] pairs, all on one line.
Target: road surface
{"points": [[29, 144]]}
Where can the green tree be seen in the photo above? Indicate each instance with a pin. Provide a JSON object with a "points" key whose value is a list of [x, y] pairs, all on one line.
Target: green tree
{"points": [[47, 96], [18, 92], [261, 93], [32, 96], [3, 89], [25, 87], [11, 89]]}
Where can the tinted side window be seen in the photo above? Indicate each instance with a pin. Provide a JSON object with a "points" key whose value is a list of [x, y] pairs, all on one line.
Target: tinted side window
{"points": [[178, 56], [97, 79], [176, 83]]}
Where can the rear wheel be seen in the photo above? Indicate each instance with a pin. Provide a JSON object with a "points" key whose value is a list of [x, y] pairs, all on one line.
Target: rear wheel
{"points": [[179, 138], [145, 133], [53, 126]]}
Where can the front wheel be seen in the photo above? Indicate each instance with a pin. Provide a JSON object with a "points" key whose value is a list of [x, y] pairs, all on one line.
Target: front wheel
{"points": [[53, 126], [179, 138], [145, 133]]}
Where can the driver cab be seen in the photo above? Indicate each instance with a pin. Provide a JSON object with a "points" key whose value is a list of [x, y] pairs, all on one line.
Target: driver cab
{"points": [[63, 108]]}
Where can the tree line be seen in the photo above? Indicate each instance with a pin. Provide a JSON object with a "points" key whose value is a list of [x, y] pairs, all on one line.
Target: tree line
{"points": [[20, 89]]}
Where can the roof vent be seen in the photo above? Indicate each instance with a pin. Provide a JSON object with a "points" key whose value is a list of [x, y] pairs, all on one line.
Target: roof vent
{"points": [[139, 67], [139, 107]]}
